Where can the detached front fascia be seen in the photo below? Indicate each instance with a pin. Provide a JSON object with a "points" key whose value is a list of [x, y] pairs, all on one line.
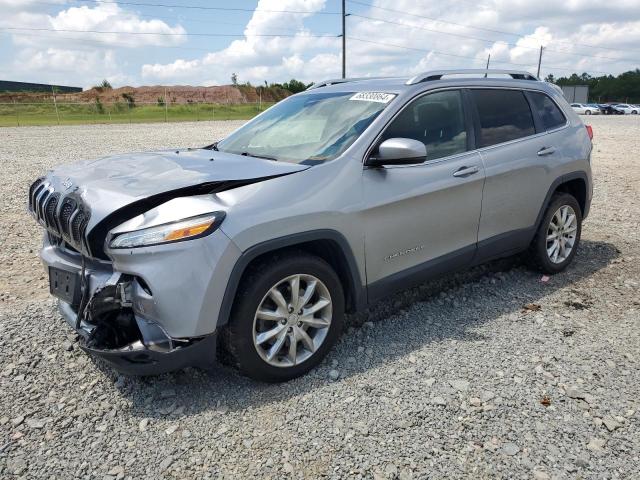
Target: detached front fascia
{"points": [[145, 309], [167, 293]]}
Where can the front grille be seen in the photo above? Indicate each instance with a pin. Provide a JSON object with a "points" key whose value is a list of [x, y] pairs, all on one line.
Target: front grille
{"points": [[78, 226], [64, 216], [50, 209], [68, 207]]}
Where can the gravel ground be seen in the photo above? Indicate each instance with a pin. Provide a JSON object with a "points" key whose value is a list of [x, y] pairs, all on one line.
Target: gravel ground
{"points": [[491, 373]]}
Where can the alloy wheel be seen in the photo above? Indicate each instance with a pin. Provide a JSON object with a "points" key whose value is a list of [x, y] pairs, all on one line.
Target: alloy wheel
{"points": [[561, 234], [292, 320]]}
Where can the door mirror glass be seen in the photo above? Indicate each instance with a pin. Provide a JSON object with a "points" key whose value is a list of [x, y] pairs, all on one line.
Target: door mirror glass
{"points": [[398, 151]]}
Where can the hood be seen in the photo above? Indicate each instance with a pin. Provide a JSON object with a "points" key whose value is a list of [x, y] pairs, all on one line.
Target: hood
{"points": [[109, 183], [112, 189]]}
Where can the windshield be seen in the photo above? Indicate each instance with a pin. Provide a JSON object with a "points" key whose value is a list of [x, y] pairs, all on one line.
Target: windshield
{"points": [[307, 128]]}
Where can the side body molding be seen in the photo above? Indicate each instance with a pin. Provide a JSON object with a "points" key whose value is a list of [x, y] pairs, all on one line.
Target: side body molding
{"points": [[356, 284]]}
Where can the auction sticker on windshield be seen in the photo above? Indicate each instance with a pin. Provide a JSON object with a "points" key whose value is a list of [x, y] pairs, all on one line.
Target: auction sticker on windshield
{"points": [[379, 97]]}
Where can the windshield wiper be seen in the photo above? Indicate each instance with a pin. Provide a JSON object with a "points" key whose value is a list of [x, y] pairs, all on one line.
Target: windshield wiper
{"points": [[247, 154], [213, 146]]}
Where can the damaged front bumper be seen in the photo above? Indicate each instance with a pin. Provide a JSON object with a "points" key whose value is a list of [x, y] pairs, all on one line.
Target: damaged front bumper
{"points": [[110, 328], [151, 355]]}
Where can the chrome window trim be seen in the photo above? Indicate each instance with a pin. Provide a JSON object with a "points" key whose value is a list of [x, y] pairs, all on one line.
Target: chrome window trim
{"points": [[369, 149]]}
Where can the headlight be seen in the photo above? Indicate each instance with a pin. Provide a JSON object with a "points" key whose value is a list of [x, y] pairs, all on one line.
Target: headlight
{"points": [[187, 229]]}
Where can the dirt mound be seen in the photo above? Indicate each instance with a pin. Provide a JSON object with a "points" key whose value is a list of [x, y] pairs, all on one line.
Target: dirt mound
{"points": [[152, 94]]}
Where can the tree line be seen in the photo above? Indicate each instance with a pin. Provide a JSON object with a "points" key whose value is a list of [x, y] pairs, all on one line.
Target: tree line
{"points": [[606, 88]]}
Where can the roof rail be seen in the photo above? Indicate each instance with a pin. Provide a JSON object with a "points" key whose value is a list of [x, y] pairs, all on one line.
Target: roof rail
{"points": [[438, 74], [336, 81]]}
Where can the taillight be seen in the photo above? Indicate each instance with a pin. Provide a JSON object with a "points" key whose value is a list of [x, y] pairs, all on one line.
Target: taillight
{"points": [[589, 131]]}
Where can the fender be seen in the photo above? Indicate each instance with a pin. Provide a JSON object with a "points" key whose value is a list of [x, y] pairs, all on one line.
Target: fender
{"points": [[555, 184], [356, 285]]}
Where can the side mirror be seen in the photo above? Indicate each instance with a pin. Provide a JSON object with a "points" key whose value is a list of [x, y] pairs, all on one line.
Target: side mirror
{"points": [[398, 151]]}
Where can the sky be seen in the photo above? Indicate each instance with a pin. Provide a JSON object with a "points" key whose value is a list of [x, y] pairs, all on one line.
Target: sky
{"points": [[198, 42]]}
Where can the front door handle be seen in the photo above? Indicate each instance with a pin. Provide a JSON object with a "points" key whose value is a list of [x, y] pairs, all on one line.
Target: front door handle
{"points": [[466, 171], [546, 151]]}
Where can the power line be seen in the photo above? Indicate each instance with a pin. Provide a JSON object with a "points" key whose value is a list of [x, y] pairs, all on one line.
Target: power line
{"points": [[129, 45], [532, 64], [486, 40], [201, 7], [419, 27], [384, 44], [433, 19], [170, 34], [209, 21], [180, 18], [357, 2], [110, 44]]}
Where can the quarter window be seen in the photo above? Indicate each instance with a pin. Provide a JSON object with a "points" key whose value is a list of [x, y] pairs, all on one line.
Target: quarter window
{"points": [[547, 111], [504, 115], [437, 120]]}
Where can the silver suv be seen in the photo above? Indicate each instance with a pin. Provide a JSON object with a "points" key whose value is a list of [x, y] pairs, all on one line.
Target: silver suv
{"points": [[257, 245]]}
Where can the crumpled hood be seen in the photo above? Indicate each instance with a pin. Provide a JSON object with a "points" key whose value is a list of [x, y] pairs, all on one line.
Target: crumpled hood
{"points": [[110, 183], [95, 196]]}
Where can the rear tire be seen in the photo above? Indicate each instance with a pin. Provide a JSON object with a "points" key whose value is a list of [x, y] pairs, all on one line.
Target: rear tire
{"points": [[558, 236], [588, 112], [266, 320]]}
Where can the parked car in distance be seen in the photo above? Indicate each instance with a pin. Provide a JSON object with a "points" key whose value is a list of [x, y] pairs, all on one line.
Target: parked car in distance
{"points": [[607, 109], [330, 200], [584, 109], [627, 109]]}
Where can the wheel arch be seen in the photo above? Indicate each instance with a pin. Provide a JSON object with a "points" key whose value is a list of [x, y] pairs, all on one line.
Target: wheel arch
{"points": [[329, 245], [574, 183]]}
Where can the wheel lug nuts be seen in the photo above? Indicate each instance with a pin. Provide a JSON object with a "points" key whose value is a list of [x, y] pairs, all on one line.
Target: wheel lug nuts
{"points": [[290, 329], [283, 321], [299, 324], [290, 309]]}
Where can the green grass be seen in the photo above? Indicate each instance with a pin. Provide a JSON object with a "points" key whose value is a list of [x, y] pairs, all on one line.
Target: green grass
{"points": [[79, 114]]}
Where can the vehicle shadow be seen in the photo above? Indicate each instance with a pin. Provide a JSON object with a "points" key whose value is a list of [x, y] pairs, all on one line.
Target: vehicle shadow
{"points": [[494, 289]]}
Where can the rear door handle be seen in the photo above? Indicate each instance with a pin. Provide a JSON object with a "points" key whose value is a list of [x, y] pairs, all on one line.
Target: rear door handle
{"points": [[466, 171], [546, 151]]}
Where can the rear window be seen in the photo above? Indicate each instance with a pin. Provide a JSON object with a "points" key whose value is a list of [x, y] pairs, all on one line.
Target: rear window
{"points": [[504, 115], [547, 110]]}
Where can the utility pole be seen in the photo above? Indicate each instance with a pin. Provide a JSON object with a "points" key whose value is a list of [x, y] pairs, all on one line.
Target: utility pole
{"points": [[55, 103], [540, 60], [166, 112], [344, 41], [488, 60]]}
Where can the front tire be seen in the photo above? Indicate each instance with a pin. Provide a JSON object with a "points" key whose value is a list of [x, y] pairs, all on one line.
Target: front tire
{"points": [[558, 235], [287, 315], [588, 112]]}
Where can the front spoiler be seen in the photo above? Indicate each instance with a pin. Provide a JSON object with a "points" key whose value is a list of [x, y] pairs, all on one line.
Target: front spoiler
{"points": [[137, 359]]}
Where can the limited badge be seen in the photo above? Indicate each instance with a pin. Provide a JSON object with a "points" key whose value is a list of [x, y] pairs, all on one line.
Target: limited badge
{"points": [[379, 97]]}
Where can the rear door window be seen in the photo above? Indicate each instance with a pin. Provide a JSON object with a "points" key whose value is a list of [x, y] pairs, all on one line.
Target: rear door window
{"points": [[437, 120], [547, 110], [504, 116]]}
